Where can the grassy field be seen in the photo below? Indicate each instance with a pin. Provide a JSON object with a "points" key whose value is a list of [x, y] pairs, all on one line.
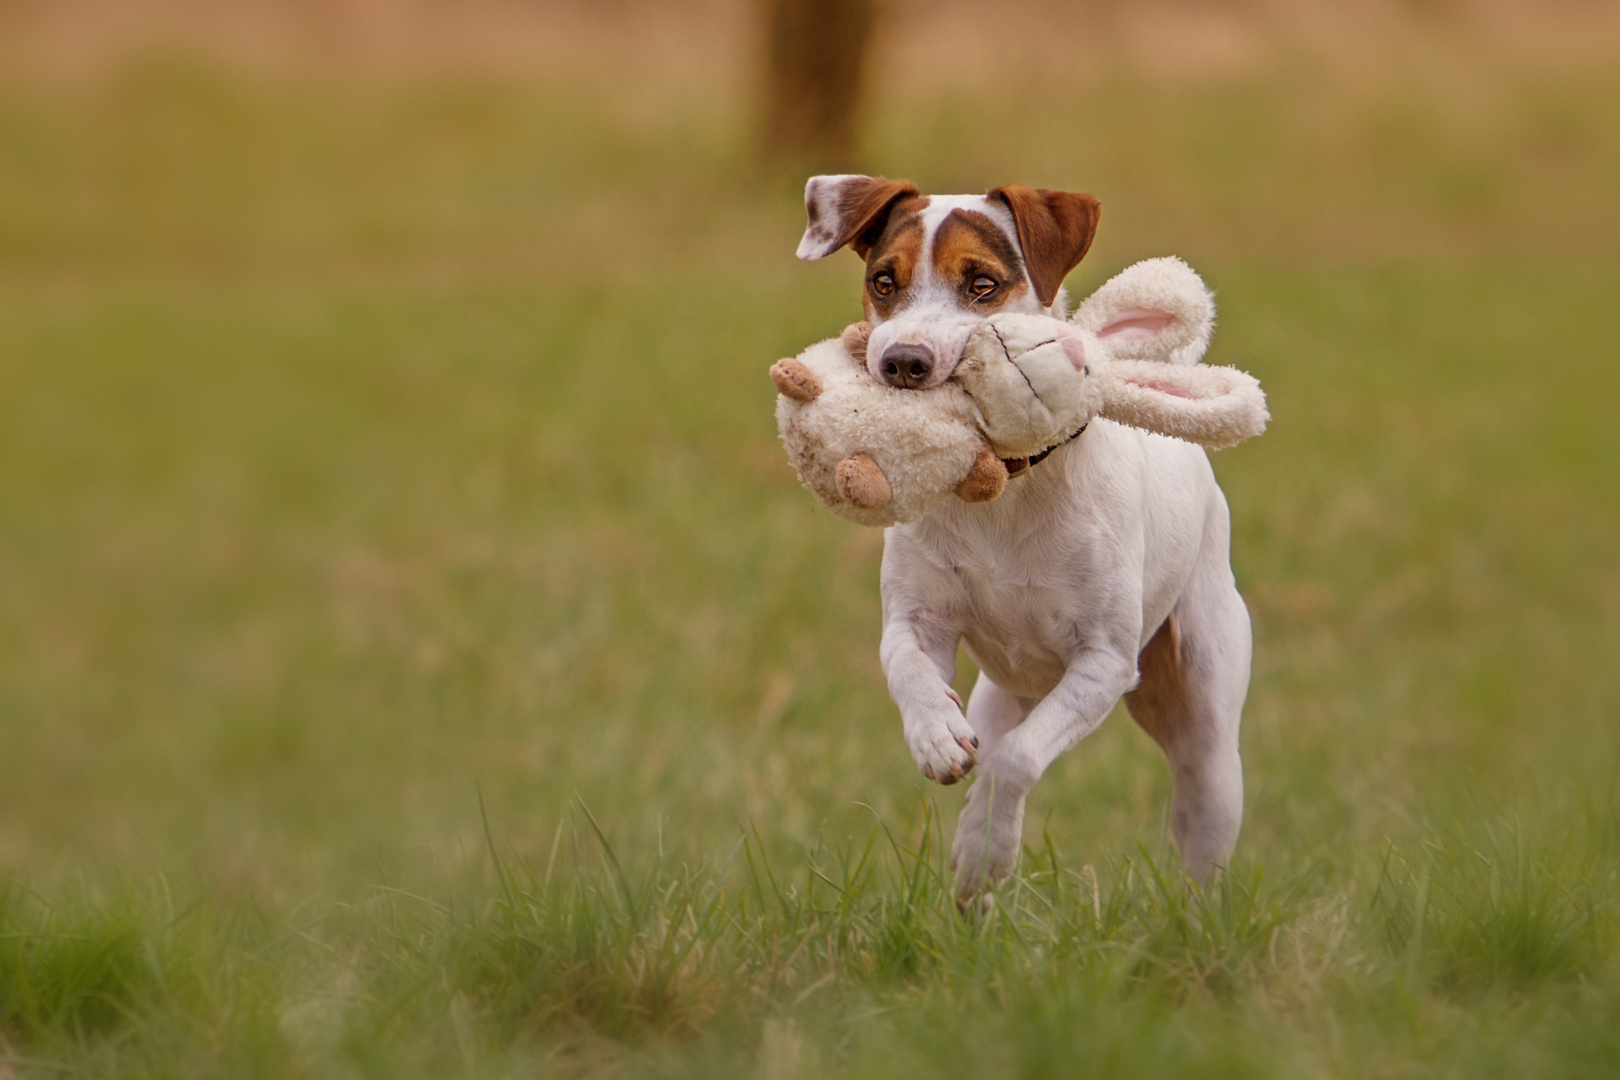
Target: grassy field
{"points": [[417, 658]]}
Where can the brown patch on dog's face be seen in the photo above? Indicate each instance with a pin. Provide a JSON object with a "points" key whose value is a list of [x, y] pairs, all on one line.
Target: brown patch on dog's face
{"points": [[848, 210], [978, 261], [1055, 229], [868, 203], [892, 261]]}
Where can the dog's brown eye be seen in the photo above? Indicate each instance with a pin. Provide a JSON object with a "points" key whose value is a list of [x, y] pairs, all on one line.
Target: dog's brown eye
{"points": [[883, 284], [983, 286]]}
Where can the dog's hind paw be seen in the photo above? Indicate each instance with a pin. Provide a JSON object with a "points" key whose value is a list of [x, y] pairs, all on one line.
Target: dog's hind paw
{"points": [[972, 902], [986, 847]]}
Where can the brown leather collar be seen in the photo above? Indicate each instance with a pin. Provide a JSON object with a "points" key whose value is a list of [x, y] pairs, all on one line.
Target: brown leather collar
{"points": [[1023, 464]]}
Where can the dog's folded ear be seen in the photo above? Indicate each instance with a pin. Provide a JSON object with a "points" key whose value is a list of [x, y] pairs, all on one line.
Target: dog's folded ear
{"points": [[1055, 229], [1215, 407], [848, 209]]}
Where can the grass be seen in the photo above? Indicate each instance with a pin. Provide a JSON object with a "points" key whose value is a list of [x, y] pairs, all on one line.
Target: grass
{"points": [[416, 657]]}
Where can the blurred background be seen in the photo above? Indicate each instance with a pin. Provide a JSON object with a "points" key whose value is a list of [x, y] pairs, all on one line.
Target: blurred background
{"points": [[384, 419]]}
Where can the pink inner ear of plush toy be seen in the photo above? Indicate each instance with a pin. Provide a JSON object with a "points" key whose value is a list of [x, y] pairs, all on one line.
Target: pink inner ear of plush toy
{"points": [[1164, 388], [1073, 346], [1135, 323]]}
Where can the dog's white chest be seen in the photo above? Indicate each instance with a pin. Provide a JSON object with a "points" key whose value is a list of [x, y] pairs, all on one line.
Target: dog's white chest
{"points": [[1012, 631], [1101, 541], [1022, 591]]}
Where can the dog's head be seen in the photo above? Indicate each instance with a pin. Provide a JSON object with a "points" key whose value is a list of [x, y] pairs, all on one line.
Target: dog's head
{"points": [[937, 265]]}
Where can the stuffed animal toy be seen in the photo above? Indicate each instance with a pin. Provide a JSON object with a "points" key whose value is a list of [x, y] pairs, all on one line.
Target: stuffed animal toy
{"points": [[1026, 384]]}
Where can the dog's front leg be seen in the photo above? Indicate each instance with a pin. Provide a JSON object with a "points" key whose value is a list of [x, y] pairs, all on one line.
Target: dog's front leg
{"points": [[990, 830], [919, 661]]}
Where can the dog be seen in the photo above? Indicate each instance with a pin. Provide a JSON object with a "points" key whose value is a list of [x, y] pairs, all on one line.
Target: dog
{"points": [[1103, 572]]}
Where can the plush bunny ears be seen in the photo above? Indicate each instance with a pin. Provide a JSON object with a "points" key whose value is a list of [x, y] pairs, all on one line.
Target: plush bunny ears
{"points": [[1152, 322], [1215, 407], [1157, 309], [1021, 372]]}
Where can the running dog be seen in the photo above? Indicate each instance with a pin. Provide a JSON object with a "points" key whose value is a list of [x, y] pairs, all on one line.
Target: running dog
{"points": [[1102, 572]]}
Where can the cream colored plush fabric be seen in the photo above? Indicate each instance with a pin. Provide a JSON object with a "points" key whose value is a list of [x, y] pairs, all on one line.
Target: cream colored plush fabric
{"points": [[1215, 407], [1166, 285], [925, 442], [1029, 395], [1025, 383]]}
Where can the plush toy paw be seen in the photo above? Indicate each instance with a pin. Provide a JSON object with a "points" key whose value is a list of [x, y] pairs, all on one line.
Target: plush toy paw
{"points": [[855, 337], [794, 380], [986, 480], [863, 483]]}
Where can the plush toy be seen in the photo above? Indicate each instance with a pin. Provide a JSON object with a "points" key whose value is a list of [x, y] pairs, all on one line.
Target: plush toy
{"points": [[1025, 385]]}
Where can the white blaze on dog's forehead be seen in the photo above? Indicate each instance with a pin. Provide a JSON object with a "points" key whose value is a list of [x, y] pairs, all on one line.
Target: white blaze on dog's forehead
{"points": [[940, 207], [928, 289], [932, 311]]}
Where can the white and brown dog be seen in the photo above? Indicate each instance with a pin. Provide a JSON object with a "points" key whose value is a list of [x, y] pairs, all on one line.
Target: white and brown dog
{"points": [[1103, 572]]}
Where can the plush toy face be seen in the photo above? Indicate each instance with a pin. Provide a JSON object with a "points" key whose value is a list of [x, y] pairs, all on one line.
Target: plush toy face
{"points": [[1036, 381], [1025, 383], [1030, 382]]}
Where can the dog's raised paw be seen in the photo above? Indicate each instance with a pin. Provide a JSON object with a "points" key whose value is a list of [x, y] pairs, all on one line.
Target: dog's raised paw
{"points": [[945, 752]]}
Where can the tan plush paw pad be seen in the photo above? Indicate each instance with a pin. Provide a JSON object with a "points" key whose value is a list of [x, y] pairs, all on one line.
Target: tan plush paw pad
{"points": [[863, 483], [986, 480], [855, 337], [794, 380]]}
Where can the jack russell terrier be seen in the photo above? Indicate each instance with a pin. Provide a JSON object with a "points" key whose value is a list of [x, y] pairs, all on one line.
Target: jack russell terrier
{"points": [[1102, 572]]}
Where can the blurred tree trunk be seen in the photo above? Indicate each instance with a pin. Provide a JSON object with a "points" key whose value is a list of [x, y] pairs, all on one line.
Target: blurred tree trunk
{"points": [[815, 53]]}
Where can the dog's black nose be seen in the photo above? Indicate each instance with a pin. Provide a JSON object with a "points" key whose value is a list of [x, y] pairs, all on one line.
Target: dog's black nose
{"points": [[906, 366]]}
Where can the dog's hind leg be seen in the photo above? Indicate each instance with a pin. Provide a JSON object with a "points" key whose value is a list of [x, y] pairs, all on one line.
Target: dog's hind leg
{"points": [[992, 712], [1195, 676]]}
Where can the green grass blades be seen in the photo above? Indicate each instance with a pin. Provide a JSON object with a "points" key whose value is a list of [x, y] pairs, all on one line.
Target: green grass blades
{"points": [[386, 478], [848, 957]]}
